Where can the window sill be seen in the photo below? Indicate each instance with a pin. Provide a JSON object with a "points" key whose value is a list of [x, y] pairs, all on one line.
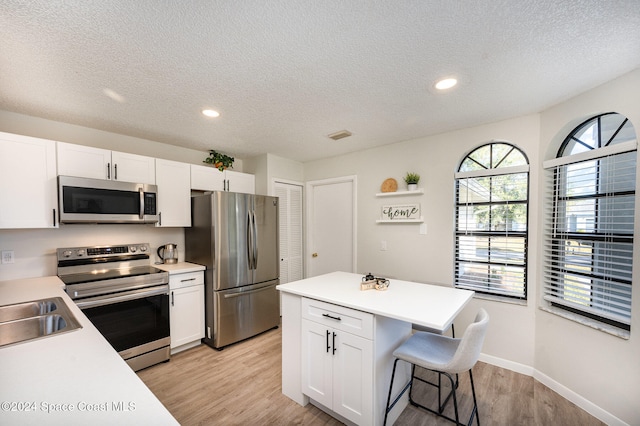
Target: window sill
{"points": [[500, 299], [615, 331]]}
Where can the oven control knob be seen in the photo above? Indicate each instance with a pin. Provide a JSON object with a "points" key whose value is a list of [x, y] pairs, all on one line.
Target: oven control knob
{"points": [[67, 253], [143, 248], [82, 252], [133, 249]]}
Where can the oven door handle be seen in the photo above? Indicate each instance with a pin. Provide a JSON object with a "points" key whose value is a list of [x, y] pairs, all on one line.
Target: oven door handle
{"points": [[122, 297]]}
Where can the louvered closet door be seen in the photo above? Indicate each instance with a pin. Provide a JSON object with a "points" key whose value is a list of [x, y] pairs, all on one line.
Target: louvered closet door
{"points": [[291, 268]]}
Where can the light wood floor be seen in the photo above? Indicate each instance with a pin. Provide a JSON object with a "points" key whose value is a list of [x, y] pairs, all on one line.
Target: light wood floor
{"points": [[240, 385]]}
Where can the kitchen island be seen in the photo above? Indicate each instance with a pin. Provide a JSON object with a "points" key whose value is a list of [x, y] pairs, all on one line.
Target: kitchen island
{"points": [[69, 378], [338, 340]]}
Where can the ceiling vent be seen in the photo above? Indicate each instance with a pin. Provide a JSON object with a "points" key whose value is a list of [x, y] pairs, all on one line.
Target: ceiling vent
{"points": [[340, 135]]}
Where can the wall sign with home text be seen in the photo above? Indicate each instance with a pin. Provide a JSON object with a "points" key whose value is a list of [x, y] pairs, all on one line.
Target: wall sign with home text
{"points": [[401, 212]]}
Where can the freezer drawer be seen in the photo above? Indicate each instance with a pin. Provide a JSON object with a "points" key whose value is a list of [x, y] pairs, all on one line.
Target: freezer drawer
{"points": [[244, 312]]}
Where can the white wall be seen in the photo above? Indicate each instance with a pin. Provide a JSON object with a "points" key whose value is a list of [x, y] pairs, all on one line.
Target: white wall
{"points": [[429, 258], [35, 249], [269, 167], [601, 368]]}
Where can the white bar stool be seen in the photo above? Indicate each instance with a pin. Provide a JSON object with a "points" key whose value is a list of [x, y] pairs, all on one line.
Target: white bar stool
{"points": [[445, 356]]}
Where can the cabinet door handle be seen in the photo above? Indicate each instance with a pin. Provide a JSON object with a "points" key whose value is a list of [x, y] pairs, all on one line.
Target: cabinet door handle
{"points": [[54, 218], [328, 346], [189, 279], [173, 299], [115, 172], [108, 170], [332, 317], [334, 344]]}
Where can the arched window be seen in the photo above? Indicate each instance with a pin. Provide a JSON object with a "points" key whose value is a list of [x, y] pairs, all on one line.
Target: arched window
{"points": [[589, 225], [492, 208]]}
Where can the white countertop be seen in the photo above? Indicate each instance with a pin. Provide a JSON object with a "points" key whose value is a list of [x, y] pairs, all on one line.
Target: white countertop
{"points": [[180, 267], [77, 376], [424, 304]]}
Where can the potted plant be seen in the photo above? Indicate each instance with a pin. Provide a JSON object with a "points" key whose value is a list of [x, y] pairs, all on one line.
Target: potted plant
{"points": [[219, 161], [412, 180]]}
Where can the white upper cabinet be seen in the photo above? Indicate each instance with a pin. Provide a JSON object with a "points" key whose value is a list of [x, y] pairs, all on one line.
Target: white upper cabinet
{"points": [[133, 168], [174, 193], [96, 163], [27, 182], [240, 182], [205, 178]]}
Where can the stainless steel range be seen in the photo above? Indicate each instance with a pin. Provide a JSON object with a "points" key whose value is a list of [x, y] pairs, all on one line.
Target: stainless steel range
{"points": [[125, 297]]}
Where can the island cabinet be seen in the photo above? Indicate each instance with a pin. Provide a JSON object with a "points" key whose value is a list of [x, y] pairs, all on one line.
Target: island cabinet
{"points": [[338, 341], [343, 366], [337, 359]]}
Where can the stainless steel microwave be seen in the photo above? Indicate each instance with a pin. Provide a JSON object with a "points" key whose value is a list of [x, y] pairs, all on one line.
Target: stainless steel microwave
{"points": [[83, 200]]}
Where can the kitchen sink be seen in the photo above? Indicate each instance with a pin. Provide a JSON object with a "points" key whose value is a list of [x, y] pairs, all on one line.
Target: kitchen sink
{"points": [[26, 321], [28, 309]]}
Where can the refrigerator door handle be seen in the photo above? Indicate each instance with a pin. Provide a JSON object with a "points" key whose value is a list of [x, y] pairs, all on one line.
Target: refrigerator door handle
{"points": [[249, 241], [255, 240], [246, 293]]}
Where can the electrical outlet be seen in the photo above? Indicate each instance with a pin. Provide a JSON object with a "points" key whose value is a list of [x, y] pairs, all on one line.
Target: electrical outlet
{"points": [[383, 245], [7, 256]]}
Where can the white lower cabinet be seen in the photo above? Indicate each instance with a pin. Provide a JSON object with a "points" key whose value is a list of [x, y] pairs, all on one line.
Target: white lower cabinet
{"points": [[337, 359], [187, 309]]}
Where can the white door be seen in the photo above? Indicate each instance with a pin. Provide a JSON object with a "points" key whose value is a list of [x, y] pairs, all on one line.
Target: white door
{"points": [[290, 210], [331, 231]]}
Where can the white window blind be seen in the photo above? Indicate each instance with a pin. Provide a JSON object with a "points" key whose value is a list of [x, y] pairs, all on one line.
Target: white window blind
{"points": [[492, 188], [589, 228]]}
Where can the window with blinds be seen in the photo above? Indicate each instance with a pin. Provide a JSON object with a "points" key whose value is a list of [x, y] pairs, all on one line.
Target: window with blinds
{"points": [[589, 223], [492, 207]]}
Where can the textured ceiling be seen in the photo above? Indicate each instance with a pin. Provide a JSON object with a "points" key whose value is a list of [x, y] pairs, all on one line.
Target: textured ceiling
{"points": [[284, 74]]}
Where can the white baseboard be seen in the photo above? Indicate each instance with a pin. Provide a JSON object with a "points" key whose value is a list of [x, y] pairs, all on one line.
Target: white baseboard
{"points": [[509, 365], [586, 405]]}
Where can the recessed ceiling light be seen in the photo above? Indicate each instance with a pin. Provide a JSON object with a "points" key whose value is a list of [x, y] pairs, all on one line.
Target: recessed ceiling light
{"points": [[210, 113], [445, 83]]}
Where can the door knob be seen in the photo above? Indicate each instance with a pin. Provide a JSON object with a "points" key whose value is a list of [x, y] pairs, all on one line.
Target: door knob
{"points": [[314, 255]]}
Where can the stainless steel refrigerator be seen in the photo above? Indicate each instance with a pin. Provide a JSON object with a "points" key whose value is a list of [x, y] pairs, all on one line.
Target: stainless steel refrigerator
{"points": [[236, 237]]}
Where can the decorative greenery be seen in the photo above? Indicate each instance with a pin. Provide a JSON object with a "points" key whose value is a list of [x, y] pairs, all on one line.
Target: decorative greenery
{"points": [[412, 178], [220, 161]]}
